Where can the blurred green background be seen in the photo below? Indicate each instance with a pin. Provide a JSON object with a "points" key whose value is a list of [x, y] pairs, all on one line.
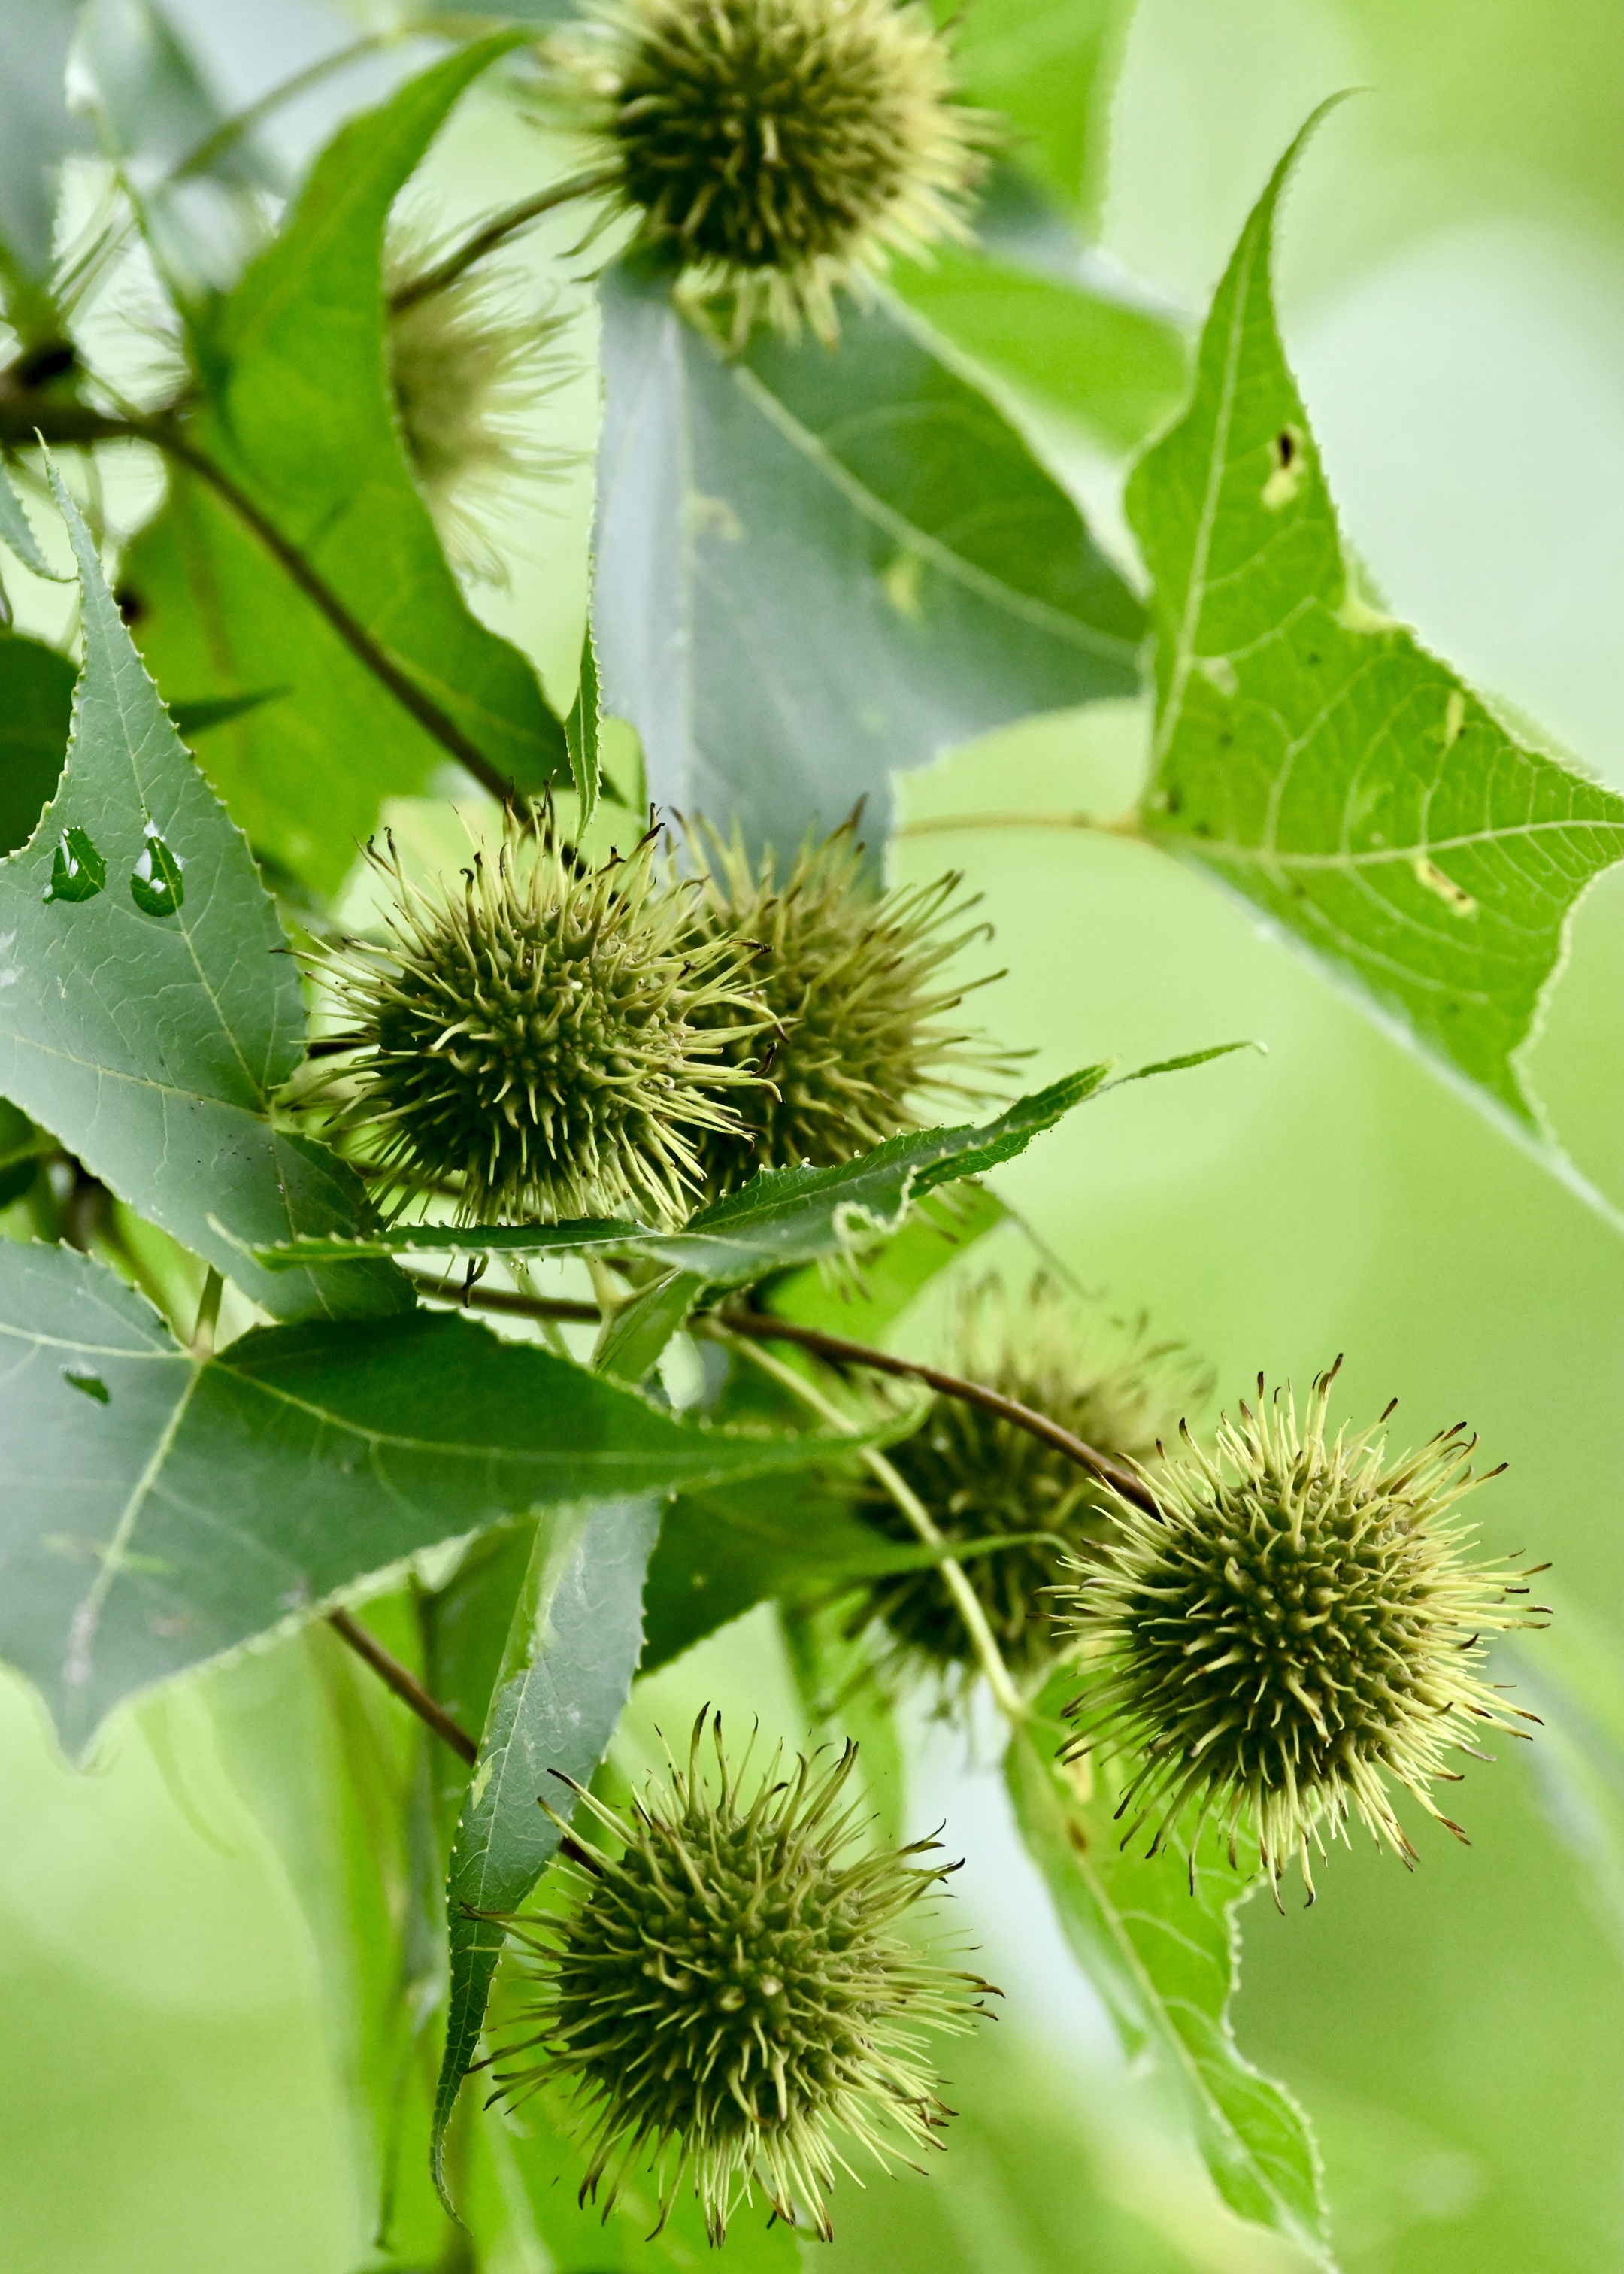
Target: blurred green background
{"points": [[183, 1974]]}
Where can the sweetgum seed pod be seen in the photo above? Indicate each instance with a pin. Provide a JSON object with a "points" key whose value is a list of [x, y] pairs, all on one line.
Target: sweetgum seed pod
{"points": [[779, 149], [530, 1043], [982, 1478], [465, 371], [851, 981], [728, 1996], [1296, 1630]]}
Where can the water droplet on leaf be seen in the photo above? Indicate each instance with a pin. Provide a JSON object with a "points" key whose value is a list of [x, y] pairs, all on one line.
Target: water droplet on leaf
{"points": [[78, 871], [92, 1384], [156, 887]]}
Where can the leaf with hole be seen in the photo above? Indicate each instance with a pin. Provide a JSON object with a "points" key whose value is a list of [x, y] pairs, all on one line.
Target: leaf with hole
{"points": [[1314, 758]]}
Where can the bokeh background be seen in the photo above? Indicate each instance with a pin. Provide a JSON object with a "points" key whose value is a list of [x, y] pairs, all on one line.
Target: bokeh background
{"points": [[181, 1971]]}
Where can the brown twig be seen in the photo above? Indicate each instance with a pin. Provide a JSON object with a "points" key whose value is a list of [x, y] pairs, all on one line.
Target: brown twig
{"points": [[758, 1326], [837, 1352], [405, 1685], [356, 638], [478, 1298], [23, 422]]}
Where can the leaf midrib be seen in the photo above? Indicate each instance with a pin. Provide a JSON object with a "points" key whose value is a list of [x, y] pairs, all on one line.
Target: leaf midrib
{"points": [[907, 534], [85, 1619], [1195, 590], [1268, 855]]}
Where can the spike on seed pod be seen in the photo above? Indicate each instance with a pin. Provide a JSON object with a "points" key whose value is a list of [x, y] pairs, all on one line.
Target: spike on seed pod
{"points": [[852, 980], [464, 370], [728, 1993], [1295, 1633], [779, 149], [981, 1477], [531, 1043]]}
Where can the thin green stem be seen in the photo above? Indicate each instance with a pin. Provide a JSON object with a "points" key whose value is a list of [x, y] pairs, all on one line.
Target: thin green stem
{"points": [[496, 231], [941, 825], [964, 1599]]}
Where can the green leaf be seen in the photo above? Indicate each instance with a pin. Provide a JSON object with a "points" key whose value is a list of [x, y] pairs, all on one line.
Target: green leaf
{"points": [[633, 1337], [927, 1244], [1047, 67], [299, 418], [22, 1146], [782, 1217], [147, 1017], [463, 1627], [160, 1509], [572, 1651], [1113, 367], [1163, 1954], [1035, 306], [193, 718], [582, 731], [36, 704], [816, 568], [1314, 758], [722, 1551], [17, 530]]}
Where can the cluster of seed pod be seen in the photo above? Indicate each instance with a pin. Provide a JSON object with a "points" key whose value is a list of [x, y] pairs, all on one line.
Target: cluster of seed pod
{"points": [[548, 1039], [1272, 1634]]}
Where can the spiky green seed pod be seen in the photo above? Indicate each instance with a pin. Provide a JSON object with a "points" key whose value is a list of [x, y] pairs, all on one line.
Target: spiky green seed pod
{"points": [[531, 1044], [1297, 1631], [851, 980], [729, 1995], [980, 1477], [463, 371], [781, 149]]}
